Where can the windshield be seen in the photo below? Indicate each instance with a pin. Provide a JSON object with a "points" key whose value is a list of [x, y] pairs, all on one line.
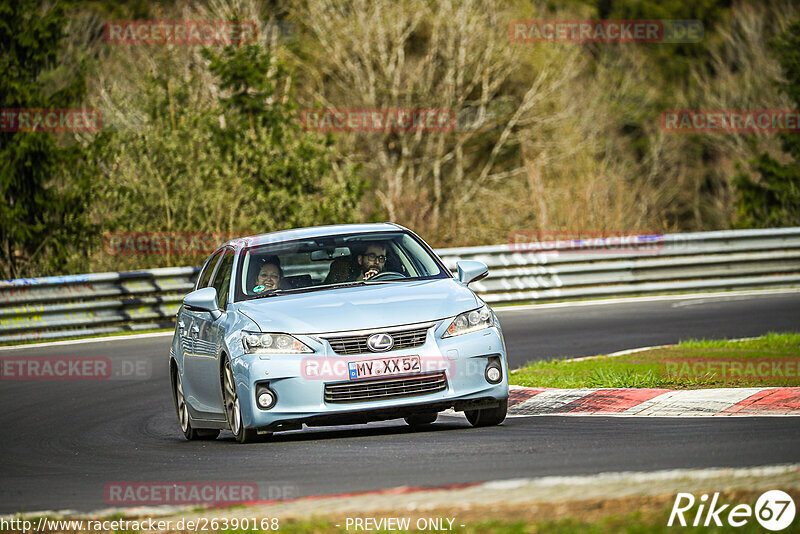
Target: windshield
{"points": [[333, 261]]}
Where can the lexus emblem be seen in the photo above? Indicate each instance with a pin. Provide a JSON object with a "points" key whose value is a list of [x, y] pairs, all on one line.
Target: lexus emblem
{"points": [[380, 342]]}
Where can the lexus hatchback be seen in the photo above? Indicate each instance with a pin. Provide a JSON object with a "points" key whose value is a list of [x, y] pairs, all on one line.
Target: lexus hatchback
{"points": [[334, 325]]}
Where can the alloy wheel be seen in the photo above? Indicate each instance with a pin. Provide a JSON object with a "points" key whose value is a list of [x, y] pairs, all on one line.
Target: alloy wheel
{"points": [[232, 409], [183, 412]]}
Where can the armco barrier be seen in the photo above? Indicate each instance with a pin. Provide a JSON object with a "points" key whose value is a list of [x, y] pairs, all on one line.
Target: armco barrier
{"points": [[90, 304]]}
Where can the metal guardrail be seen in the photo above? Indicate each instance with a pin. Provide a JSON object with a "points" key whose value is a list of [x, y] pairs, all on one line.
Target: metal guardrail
{"points": [[91, 304]]}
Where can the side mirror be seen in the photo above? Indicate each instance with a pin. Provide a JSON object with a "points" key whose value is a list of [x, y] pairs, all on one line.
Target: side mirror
{"points": [[203, 300], [471, 271]]}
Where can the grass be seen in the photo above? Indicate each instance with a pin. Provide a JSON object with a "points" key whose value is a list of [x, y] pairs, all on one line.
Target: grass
{"points": [[630, 514], [626, 516], [690, 364]]}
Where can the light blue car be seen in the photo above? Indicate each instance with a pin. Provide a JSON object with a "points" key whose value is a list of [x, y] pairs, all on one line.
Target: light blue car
{"points": [[333, 325]]}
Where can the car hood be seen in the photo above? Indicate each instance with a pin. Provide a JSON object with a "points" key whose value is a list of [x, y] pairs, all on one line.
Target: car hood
{"points": [[361, 307]]}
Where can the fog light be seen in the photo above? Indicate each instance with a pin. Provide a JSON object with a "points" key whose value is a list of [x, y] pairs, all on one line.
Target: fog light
{"points": [[493, 372], [265, 398]]}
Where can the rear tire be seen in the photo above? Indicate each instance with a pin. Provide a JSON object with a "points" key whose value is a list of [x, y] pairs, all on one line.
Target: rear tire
{"points": [[488, 416], [189, 433], [421, 419]]}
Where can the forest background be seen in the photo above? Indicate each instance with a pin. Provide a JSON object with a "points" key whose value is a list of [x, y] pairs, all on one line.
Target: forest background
{"points": [[549, 137]]}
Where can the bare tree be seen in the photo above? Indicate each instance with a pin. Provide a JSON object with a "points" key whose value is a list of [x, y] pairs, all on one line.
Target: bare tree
{"points": [[453, 55]]}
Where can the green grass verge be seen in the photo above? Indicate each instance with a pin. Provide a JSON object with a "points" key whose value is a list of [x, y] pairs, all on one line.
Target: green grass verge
{"points": [[635, 513], [770, 360]]}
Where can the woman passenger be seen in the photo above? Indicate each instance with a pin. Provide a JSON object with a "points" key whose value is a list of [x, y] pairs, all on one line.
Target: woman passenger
{"points": [[270, 275]]}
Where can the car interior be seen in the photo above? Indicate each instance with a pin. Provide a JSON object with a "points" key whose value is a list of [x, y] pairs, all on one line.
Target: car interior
{"points": [[343, 268], [326, 261]]}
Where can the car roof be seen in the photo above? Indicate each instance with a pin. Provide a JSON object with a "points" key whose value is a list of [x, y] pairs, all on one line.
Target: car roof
{"points": [[311, 232]]}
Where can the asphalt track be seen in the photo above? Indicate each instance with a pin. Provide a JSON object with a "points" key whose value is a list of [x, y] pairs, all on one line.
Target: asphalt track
{"points": [[63, 442]]}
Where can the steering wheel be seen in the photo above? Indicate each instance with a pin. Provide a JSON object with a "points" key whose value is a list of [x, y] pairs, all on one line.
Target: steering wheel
{"points": [[386, 274]]}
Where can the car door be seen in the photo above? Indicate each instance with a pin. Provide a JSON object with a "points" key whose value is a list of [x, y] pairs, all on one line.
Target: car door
{"points": [[188, 330], [185, 318], [203, 369]]}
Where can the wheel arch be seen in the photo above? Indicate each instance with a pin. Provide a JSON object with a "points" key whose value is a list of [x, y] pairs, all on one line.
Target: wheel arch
{"points": [[173, 372]]}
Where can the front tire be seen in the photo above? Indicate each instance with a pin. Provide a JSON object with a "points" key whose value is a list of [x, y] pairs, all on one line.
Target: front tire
{"points": [[189, 433], [488, 416], [233, 411]]}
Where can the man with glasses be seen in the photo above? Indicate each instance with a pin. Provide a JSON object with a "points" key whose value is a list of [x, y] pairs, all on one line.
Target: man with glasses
{"points": [[372, 260], [368, 263]]}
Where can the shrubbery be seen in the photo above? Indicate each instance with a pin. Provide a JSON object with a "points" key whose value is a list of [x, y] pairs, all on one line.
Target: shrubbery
{"points": [[549, 137]]}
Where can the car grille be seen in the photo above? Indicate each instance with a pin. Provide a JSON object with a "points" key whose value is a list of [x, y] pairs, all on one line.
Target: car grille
{"points": [[385, 388], [403, 339]]}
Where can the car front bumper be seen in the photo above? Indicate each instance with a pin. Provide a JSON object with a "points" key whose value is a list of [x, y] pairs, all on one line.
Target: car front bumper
{"points": [[299, 382]]}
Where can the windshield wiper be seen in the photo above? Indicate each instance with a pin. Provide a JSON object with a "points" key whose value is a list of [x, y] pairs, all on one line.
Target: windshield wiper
{"points": [[343, 284]]}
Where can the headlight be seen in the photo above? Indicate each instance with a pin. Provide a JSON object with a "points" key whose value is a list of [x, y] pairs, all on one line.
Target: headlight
{"points": [[272, 343], [470, 321]]}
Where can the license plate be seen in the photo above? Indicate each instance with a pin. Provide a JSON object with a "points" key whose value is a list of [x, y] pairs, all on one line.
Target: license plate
{"points": [[398, 365]]}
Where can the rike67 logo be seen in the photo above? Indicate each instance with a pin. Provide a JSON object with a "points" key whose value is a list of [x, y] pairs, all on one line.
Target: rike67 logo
{"points": [[774, 510]]}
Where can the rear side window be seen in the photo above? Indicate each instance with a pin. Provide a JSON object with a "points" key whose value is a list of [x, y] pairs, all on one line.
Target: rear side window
{"points": [[205, 276], [222, 278]]}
